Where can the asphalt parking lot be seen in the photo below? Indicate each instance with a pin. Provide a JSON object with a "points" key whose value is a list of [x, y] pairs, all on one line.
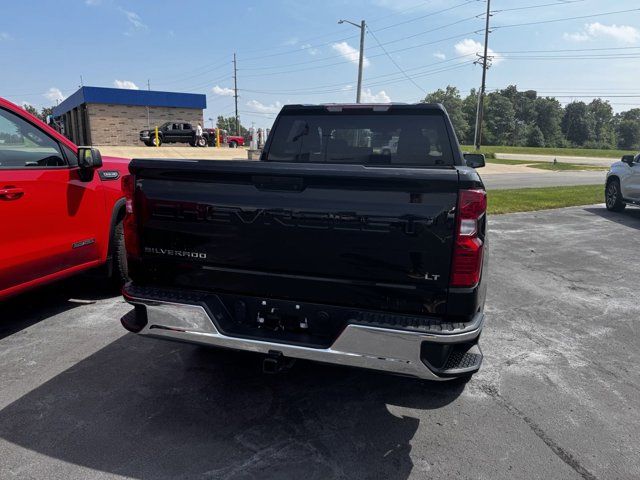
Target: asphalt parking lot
{"points": [[558, 395]]}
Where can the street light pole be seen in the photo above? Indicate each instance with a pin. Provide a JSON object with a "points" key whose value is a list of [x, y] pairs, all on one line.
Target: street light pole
{"points": [[362, 28]]}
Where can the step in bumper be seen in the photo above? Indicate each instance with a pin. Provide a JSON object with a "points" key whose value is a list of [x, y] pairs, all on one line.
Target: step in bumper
{"points": [[365, 346]]}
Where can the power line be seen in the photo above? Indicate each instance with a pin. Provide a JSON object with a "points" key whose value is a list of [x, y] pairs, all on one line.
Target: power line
{"points": [[540, 5], [415, 19], [394, 62], [566, 19]]}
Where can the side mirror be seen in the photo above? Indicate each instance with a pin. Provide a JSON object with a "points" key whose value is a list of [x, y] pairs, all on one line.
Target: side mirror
{"points": [[474, 160], [627, 159], [89, 158]]}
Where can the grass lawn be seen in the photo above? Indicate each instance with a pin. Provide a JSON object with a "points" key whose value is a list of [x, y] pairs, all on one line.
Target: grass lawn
{"points": [[530, 199], [559, 166], [489, 151]]}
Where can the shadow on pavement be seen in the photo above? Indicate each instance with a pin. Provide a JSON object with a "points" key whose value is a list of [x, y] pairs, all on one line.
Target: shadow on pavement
{"points": [[630, 217], [151, 409], [31, 307]]}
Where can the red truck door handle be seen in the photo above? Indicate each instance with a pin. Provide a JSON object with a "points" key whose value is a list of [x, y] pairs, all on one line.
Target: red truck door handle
{"points": [[10, 192]]}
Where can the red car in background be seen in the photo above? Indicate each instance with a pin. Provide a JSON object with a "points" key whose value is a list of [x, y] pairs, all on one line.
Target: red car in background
{"points": [[61, 206]]}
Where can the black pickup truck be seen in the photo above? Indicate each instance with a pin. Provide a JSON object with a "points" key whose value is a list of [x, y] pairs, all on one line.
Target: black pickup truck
{"points": [[331, 248], [171, 132]]}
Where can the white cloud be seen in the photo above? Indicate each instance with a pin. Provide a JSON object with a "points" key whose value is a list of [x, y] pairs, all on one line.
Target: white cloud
{"points": [[620, 33], [310, 49], [262, 108], [135, 22], [54, 94], [576, 36], [470, 47], [380, 97], [222, 91], [350, 53], [128, 84], [291, 41], [440, 55], [346, 88], [5, 36]]}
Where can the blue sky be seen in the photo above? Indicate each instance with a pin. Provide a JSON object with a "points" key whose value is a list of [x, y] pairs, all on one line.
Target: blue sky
{"points": [[294, 51]]}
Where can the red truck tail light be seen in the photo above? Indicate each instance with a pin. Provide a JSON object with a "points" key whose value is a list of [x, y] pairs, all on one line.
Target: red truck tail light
{"points": [[468, 248], [131, 239]]}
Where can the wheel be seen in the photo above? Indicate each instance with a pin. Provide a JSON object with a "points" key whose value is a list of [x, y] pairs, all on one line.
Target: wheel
{"points": [[233, 144], [148, 143], [120, 272], [613, 196], [202, 142], [156, 142]]}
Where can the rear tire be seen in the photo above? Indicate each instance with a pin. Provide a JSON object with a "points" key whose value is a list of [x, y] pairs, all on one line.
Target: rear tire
{"points": [[154, 143], [233, 144], [120, 273], [202, 142], [613, 196]]}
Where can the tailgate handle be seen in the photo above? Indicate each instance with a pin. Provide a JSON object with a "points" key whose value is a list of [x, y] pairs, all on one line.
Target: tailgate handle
{"points": [[287, 184]]}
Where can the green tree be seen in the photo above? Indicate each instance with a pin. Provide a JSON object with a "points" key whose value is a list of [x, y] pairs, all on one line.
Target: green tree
{"points": [[31, 109], [577, 124], [469, 108], [500, 119], [450, 98], [601, 115], [628, 129], [548, 119], [229, 124], [45, 112], [535, 137]]}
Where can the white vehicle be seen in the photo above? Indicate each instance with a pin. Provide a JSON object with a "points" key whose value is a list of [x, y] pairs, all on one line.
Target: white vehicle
{"points": [[623, 183]]}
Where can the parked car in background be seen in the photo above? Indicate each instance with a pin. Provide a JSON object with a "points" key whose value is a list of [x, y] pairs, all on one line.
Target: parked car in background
{"points": [[232, 141], [623, 183], [61, 206], [325, 250]]}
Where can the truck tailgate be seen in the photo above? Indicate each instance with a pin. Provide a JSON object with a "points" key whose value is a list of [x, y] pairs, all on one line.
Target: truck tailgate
{"points": [[337, 234]]}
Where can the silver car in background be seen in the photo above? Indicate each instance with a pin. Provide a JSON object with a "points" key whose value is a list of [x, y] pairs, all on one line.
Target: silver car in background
{"points": [[623, 183]]}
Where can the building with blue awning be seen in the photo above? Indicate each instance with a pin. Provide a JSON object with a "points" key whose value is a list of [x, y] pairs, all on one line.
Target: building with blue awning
{"points": [[115, 116]]}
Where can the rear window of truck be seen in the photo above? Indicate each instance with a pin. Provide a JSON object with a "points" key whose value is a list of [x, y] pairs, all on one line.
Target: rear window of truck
{"points": [[393, 139]]}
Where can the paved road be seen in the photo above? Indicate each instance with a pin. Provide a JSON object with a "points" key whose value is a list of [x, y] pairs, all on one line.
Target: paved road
{"points": [[558, 396], [544, 179], [601, 161]]}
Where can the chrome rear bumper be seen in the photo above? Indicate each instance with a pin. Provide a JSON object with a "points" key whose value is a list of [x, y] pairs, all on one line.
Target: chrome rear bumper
{"points": [[389, 350]]}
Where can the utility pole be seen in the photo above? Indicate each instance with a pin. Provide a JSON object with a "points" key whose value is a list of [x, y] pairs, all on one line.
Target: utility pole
{"points": [[235, 92], [148, 114], [361, 60], [362, 28], [477, 138]]}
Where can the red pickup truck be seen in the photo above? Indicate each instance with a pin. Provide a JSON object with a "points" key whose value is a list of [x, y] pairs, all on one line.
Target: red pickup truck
{"points": [[61, 206]]}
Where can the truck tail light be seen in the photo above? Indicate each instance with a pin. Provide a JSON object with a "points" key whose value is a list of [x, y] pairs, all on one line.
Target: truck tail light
{"points": [[130, 223], [468, 247]]}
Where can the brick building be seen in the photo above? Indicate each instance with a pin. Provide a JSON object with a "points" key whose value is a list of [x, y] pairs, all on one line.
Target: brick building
{"points": [[115, 116]]}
